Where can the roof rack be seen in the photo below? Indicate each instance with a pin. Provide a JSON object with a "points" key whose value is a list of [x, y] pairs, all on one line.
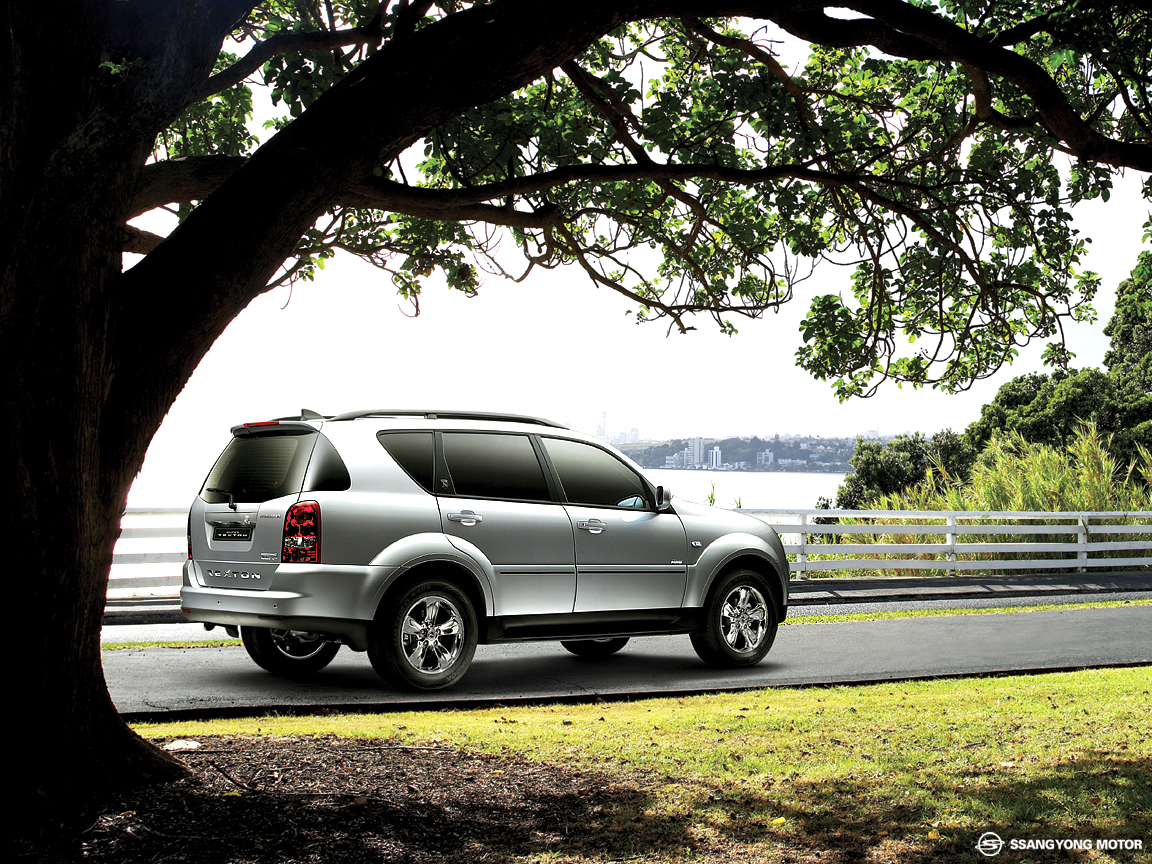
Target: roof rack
{"points": [[450, 415]]}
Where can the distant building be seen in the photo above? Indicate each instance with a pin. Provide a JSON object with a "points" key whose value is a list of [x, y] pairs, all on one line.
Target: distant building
{"points": [[764, 458], [627, 437], [695, 450], [714, 460]]}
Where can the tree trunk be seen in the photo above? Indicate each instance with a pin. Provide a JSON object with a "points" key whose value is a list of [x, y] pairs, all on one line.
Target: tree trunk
{"points": [[92, 358], [72, 140]]}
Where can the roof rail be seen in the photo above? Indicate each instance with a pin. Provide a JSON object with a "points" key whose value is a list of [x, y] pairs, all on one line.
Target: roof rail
{"points": [[450, 415]]}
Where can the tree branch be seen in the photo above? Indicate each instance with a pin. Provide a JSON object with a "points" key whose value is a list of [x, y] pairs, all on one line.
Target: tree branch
{"points": [[1055, 112], [799, 96], [815, 26], [139, 241], [288, 43], [194, 179]]}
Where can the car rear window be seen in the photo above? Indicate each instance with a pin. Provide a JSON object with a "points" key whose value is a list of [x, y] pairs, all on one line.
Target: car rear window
{"points": [[258, 468], [494, 466]]}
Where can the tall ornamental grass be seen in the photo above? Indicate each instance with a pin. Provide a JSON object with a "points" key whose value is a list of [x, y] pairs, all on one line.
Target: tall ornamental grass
{"points": [[1014, 475]]}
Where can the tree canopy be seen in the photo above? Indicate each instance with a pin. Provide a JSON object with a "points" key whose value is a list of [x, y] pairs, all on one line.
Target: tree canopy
{"points": [[1037, 408], [934, 149], [1129, 356], [881, 469], [1051, 408], [913, 144]]}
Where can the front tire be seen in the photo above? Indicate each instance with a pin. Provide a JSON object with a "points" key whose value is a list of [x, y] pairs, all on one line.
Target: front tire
{"points": [[594, 649], [427, 640], [740, 621], [289, 653]]}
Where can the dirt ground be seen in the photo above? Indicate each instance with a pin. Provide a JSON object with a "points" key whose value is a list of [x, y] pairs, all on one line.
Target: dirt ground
{"points": [[341, 800], [345, 800]]}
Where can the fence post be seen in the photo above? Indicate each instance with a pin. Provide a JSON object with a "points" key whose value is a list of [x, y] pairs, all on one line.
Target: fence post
{"points": [[952, 542], [1082, 542], [802, 555]]}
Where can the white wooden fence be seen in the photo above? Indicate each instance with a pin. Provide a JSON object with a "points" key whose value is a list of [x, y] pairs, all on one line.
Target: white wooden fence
{"points": [[938, 545], [150, 553], [153, 546]]}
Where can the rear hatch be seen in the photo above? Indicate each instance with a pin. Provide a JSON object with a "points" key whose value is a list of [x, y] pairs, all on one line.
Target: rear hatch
{"points": [[237, 521]]}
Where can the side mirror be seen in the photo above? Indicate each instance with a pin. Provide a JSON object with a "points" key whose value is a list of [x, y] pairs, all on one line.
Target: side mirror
{"points": [[663, 498]]}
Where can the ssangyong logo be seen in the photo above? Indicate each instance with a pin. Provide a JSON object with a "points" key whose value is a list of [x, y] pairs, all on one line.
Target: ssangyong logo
{"points": [[989, 844], [232, 574]]}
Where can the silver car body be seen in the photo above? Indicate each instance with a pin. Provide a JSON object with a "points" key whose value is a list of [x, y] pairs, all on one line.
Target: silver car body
{"points": [[553, 569]]}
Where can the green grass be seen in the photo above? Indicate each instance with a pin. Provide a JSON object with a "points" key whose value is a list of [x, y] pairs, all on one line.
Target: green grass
{"points": [[797, 619], [888, 615], [904, 771], [171, 643]]}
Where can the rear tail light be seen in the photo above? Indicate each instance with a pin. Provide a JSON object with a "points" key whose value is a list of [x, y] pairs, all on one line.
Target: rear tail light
{"points": [[189, 535], [302, 534]]}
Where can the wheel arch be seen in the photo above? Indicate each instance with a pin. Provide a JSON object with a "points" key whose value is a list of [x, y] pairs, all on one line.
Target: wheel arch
{"points": [[448, 571], [759, 564]]}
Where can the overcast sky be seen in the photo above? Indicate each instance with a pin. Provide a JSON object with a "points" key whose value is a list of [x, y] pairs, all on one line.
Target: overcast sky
{"points": [[558, 347]]}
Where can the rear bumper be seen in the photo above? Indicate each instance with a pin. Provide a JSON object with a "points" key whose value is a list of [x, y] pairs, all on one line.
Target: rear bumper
{"points": [[336, 601]]}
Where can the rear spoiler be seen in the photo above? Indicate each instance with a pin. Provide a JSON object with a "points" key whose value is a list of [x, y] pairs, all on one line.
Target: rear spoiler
{"points": [[272, 427]]}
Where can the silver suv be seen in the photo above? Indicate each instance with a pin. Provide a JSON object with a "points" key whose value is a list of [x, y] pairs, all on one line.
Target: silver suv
{"points": [[415, 535]]}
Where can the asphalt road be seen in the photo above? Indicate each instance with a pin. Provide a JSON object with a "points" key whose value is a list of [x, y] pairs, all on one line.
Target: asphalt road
{"points": [[173, 682]]}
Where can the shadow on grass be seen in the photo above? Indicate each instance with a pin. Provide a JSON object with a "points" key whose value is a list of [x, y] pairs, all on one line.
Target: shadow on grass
{"points": [[1095, 796], [341, 800]]}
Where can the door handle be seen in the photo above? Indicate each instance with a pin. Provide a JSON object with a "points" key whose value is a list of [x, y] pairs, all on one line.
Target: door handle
{"points": [[465, 517], [592, 526]]}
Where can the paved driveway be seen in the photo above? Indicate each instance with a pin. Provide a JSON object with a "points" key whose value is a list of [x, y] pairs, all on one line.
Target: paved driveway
{"points": [[161, 681]]}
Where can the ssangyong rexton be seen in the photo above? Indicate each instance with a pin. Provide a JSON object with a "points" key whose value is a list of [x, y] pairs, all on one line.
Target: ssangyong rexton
{"points": [[415, 535]]}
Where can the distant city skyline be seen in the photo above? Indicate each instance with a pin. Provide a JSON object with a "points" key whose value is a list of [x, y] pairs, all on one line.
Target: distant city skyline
{"points": [[633, 436]]}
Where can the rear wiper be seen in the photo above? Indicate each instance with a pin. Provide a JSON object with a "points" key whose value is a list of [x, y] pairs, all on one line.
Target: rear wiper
{"points": [[219, 491]]}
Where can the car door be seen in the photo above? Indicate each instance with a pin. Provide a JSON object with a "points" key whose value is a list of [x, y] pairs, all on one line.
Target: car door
{"points": [[628, 555], [494, 496]]}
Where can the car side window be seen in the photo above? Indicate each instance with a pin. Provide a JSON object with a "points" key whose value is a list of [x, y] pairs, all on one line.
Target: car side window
{"points": [[595, 477], [413, 452], [490, 465]]}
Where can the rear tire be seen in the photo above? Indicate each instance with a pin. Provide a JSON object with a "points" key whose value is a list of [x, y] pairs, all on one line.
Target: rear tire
{"points": [[740, 621], [594, 649], [289, 653], [427, 640]]}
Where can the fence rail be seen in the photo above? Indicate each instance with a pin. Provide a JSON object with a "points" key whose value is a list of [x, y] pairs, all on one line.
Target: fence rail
{"points": [[150, 553], [1080, 552], [152, 545]]}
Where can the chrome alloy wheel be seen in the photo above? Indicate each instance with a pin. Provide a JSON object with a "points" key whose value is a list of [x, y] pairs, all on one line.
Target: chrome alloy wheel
{"points": [[743, 619], [432, 634]]}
